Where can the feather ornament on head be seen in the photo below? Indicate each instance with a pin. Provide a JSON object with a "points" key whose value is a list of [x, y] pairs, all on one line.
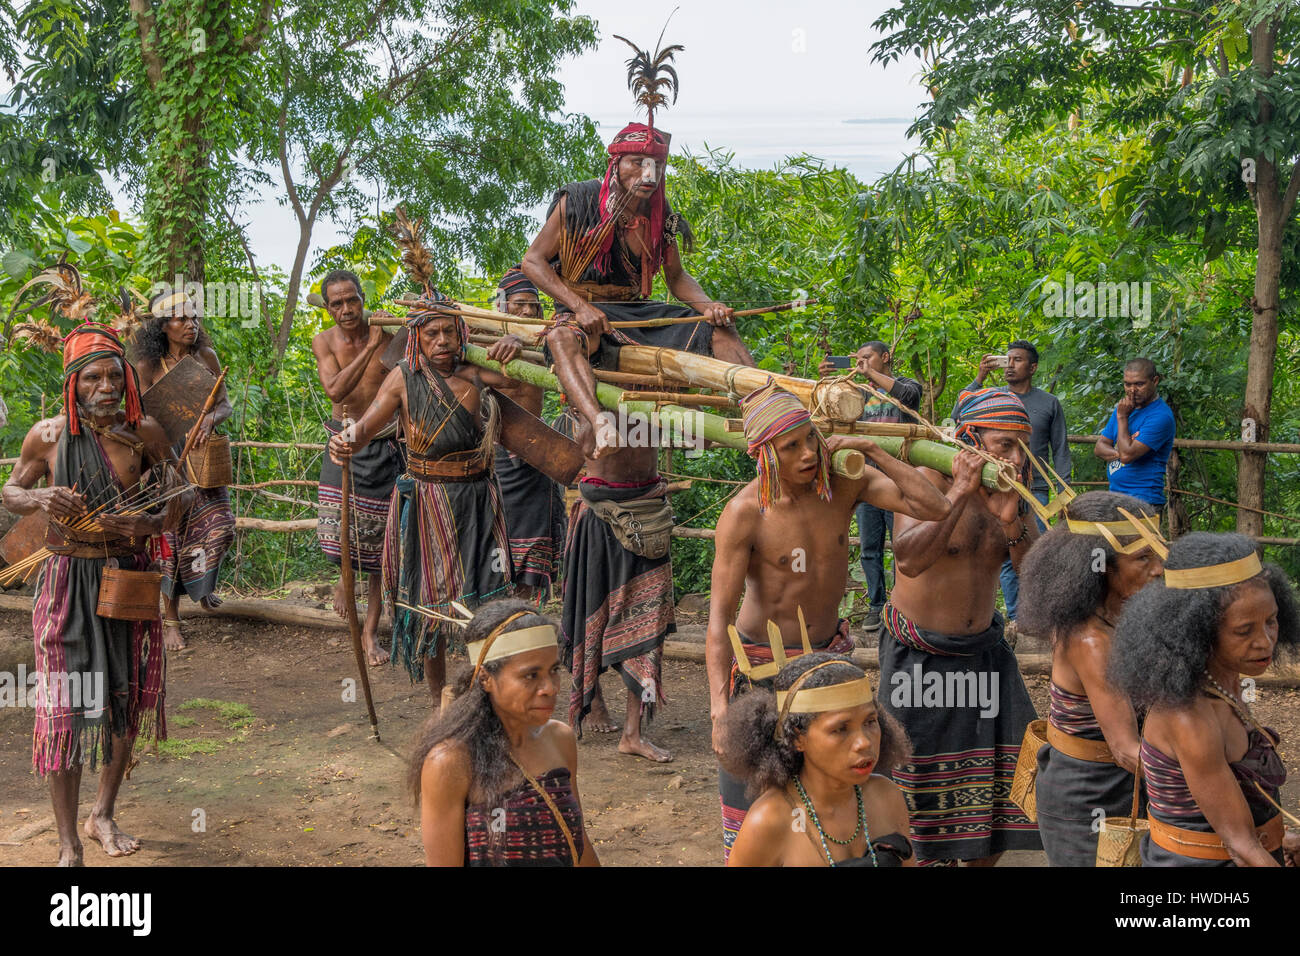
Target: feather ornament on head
{"points": [[768, 413]]}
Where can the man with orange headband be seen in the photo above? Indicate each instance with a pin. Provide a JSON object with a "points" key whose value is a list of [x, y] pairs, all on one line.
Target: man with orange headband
{"points": [[946, 673], [99, 680], [782, 544]]}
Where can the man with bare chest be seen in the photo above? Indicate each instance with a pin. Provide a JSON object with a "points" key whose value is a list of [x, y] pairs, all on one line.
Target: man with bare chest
{"points": [[446, 536], [782, 542], [349, 365], [946, 673], [100, 680]]}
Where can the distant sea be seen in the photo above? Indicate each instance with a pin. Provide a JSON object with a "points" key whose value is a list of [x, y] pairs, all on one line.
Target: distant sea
{"points": [[865, 146]]}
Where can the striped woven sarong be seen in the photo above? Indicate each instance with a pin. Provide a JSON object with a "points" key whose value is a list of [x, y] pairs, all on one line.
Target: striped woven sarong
{"points": [[958, 783], [98, 678], [445, 540], [374, 472], [618, 606], [191, 556]]}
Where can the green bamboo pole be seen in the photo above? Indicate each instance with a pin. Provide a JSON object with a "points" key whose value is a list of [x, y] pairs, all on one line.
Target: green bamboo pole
{"points": [[705, 425]]}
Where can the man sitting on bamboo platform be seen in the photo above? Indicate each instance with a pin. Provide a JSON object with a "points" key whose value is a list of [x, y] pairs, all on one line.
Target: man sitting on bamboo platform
{"points": [[101, 679], [946, 674], [603, 242], [782, 542], [446, 538], [534, 504], [349, 365]]}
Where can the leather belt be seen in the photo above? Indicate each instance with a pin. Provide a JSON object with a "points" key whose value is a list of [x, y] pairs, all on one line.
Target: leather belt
{"points": [[442, 469], [1080, 748], [1208, 846], [119, 548]]}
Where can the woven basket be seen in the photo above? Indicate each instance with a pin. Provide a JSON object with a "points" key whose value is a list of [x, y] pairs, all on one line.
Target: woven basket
{"points": [[129, 595], [1022, 784], [1119, 843], [209, 463]]}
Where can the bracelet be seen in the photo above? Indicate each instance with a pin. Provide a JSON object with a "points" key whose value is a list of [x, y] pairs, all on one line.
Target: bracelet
{"points": [[1024, 533]]}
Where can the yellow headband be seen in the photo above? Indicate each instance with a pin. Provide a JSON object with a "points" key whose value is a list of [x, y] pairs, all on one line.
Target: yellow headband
{"points": [[775, 641], [1144, 527], [499, 644], [816, 700], [1215, 575]]}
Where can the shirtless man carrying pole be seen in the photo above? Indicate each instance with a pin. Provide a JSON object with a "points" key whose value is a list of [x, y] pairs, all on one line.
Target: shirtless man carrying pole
{"points": [[782, 542], [946, 673], [348, 362]]}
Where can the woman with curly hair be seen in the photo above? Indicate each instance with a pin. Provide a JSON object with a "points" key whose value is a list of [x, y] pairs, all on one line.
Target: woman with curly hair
{"points": [[189, 557], [1074, 583], [494, 775], [809, 751], [1181, 649]]}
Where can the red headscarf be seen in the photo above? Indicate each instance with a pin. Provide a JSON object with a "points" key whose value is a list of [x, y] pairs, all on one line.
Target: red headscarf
{"points": [[88, 343], [632, 139]]}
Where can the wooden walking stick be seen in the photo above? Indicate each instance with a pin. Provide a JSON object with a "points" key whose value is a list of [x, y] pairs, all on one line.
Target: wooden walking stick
{"points": [[349, 586]]}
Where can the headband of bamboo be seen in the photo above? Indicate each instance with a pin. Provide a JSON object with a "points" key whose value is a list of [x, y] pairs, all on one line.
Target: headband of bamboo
{"points": [[816, 700], [775, 641], [1215, 575], [500, 644], [167, 302], [1140, 527]]}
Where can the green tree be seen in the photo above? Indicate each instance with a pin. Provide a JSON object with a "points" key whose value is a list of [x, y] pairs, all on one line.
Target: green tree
{"points": [[1212, 87], [450, 107]]}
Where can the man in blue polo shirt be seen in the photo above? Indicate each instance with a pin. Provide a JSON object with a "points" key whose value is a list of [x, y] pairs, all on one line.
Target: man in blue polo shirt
{"points": [[1136, 442]]}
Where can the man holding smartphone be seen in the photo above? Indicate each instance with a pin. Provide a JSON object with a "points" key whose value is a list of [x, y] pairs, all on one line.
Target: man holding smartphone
{"points": [[876, 362], [1047, 439]]}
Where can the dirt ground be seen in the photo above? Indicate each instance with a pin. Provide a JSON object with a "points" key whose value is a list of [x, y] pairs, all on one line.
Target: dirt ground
{"points": [[299, 783]]}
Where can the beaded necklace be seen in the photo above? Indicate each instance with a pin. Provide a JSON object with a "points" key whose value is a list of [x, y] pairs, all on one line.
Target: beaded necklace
{"points": [[860, 828]]}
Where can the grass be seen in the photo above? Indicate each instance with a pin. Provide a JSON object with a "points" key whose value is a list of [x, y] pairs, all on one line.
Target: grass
{"points": [[233, 715]]}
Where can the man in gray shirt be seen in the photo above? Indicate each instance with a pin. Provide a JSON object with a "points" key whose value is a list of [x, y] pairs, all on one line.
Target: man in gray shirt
{"points": [[1047, 441]]}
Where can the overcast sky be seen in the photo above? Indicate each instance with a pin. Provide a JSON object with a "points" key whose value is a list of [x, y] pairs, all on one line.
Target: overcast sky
{"points": [[764, 79]]}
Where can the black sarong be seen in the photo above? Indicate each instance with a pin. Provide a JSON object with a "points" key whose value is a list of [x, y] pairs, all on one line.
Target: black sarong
{"points": [[1069, 791], [534, 510], [964, 706], [618, 606]]}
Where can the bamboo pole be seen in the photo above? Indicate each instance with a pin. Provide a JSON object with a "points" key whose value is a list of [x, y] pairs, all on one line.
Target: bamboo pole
{"points": [[714, 427], [349, 592], [837, 399], [680, 398]]}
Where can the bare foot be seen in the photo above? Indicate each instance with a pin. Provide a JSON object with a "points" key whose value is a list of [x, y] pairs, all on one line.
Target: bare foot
{"points": [[640, 747], [375, 654], [110, 836], [172, 639], [211, 602], [339, 603], [71, 855], [598, 720]]}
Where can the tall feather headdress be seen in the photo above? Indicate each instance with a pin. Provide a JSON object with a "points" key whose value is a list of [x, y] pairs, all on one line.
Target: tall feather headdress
{"points": [[649, 75]]}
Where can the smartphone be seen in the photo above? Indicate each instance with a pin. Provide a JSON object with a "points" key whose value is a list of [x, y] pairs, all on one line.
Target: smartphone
{"points": [[1001, 361], [841, 361]]}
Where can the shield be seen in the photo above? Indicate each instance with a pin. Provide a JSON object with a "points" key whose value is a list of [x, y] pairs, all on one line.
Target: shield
{"points": [[177, 398]]}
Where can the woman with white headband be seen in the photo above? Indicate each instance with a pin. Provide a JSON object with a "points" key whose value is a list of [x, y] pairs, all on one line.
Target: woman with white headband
{"points": [[812, 750], [1181, 651], [494, 775]]}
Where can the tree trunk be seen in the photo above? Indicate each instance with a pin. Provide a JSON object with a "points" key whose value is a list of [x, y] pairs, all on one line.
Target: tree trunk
{"points": [[1263, 329]]}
